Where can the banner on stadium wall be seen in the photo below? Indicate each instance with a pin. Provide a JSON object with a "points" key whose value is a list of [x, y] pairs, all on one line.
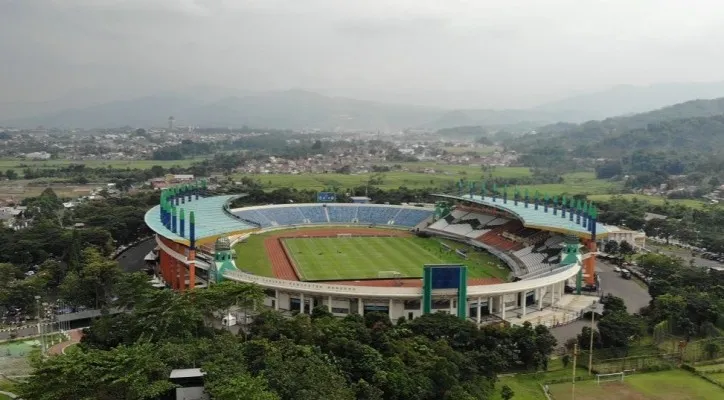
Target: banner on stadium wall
{"points": [[445, 276], [326, 197]]}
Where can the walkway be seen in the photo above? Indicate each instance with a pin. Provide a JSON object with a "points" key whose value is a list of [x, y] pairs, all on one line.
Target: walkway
{"points": [[75, 336], [8, 394]]}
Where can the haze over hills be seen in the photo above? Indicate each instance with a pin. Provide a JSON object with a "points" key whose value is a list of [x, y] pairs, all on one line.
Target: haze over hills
{"points": [[299, 109], [628, 99], [696, 125]]}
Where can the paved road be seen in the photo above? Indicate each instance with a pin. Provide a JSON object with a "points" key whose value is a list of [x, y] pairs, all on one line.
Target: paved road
{"points": [[634, 295], [75, 336], [683, 253], [28, 330], [131, 260]]}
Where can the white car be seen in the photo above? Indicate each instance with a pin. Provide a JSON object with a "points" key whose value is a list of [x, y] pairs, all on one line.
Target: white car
{"points": [[616, 270]]}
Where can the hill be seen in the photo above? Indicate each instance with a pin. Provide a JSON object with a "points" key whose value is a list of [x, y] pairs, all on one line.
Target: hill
{"points": [[298, 109], [693, 125], [627, 99]]}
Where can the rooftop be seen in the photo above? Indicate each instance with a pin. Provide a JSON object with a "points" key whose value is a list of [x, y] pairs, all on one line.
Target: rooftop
{"points": [[212, 220], [186, 373], [531, 217]]}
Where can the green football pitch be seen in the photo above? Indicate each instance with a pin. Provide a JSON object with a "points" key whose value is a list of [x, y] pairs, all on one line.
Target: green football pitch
{"points": [[357, 258], [319, 259]]}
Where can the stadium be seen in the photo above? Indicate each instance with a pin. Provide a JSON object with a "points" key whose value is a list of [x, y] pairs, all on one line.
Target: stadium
{"points": [[483, 256]]}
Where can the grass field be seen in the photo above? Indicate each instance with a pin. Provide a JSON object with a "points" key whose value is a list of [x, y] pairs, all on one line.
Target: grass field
{"points": [[251, 257], [16, 163], [364, 257], [667, 385], [693, 203], [413, 177], [351, 258]]}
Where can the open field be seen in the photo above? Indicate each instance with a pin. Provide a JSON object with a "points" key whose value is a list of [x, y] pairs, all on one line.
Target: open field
{"points": [[698, 204], [357, 257], [19, 190], [666, 385], [414, 177], [482, 150], [251, 256], [19, 164]]}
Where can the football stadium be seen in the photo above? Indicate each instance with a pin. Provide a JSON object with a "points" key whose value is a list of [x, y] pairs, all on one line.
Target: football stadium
{"points": [[482, 254]]}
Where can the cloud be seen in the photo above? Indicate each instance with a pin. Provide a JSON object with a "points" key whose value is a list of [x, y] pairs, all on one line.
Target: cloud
{"points": [[499, 53]]}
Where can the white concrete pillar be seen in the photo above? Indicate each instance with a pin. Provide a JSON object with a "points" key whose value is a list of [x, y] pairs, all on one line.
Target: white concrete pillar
{"points": [[541, 293], [553, 294], [389, 308], [502, 306], [360, 306], [329, 303], [480, 299], [301, 303], [490, 304], [276, 299], [452, 307], [523, 302]]}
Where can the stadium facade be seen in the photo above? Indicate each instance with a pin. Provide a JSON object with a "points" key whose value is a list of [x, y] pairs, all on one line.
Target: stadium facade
{"points": [[540, 239]]}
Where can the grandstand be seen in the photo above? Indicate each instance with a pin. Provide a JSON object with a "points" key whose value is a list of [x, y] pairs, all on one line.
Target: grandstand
{"points": [[539, 245], [306, 214], [532, 252]]}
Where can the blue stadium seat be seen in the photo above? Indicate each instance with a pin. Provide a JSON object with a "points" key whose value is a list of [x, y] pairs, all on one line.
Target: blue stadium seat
{"points": [[284, 215], [342, 214], [254, 216], [411, 216], [376, 215], [314, 214]]}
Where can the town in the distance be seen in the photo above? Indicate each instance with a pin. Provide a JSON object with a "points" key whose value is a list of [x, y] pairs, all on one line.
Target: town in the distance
{"points": [[392, 200]]}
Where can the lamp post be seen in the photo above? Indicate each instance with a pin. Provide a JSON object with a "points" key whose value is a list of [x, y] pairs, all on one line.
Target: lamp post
{"points": [[590, 349]]}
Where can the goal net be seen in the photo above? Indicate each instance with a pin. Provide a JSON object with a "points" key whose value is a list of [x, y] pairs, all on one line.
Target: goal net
{"points": [[389, 275], [613, 377], [344, 235]]}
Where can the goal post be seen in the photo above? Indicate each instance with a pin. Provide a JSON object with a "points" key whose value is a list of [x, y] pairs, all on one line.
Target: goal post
{"points": [[612, 377], [389, 274], [344, 235]]}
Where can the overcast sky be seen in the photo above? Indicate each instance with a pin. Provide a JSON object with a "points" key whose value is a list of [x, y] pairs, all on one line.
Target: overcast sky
{"points": [[508, 53]]}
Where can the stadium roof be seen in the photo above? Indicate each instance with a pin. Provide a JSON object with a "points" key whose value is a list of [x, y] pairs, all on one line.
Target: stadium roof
{"points": [[212, 220], [531, 217]]}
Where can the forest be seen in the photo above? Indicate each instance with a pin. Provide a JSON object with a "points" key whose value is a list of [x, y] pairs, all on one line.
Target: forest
{"points": [[302, 357]]}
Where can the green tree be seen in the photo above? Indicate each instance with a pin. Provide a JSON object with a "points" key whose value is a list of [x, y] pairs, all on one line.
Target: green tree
{"points": [[506, 393], [611, 247], [712, 349], [625, 248], [133, 372], [617, 329]]}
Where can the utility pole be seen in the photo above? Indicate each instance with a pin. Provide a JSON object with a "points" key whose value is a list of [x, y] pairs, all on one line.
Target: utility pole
{"points": [[590, 349], [573, 383]]}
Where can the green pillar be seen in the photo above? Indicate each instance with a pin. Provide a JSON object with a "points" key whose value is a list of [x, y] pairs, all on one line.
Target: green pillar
{"points": [[427, 290], [463, 293]]}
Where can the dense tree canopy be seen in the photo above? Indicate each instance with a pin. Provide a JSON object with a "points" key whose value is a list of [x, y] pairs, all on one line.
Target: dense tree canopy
{"points": [[303, 357]]}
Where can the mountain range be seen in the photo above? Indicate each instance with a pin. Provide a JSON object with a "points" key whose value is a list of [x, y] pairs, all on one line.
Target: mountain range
{"points": [[696, 126], [299, 109]]}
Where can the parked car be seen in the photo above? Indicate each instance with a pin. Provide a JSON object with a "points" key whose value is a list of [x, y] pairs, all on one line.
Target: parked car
{"points": [[617, 270], [625, 274]]}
